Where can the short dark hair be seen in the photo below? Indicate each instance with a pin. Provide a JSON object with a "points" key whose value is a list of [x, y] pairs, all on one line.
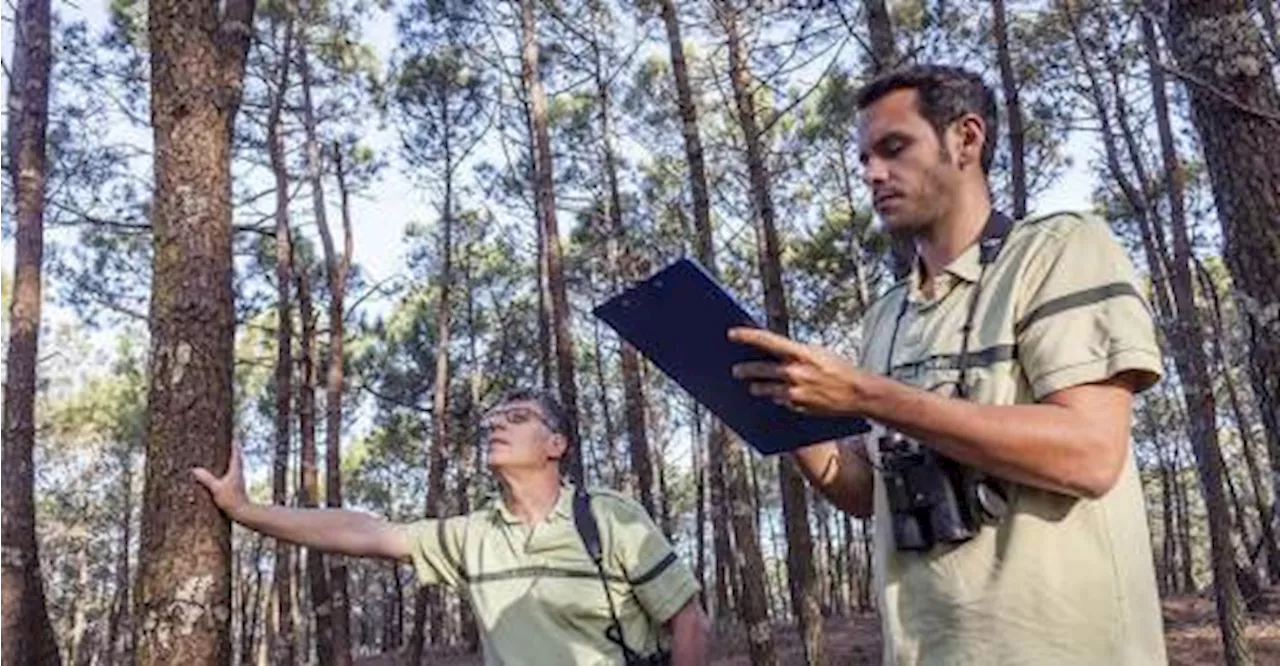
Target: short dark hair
{"points": [[945, 94], [557, 418]]}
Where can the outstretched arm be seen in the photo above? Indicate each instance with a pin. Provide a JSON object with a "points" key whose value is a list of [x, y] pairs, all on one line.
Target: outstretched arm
{"points": [[338, 531]]}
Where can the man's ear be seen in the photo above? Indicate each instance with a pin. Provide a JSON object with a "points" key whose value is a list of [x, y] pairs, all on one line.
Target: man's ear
{"points": [[971, 135], [560, 446]]}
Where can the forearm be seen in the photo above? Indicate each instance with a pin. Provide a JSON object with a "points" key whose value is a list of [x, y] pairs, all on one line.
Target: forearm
{"points": [[338, 531], [689, 636], [1047, 446], [841, 473]]}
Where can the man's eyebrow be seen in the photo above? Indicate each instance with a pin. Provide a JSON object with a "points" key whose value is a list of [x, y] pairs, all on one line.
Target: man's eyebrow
{"points": [[879, 144], [894, 135]]}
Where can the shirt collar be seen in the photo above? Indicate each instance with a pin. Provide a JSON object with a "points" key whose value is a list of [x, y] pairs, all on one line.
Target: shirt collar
{"points": [[965, 267], [968, 265], [562, 509]]}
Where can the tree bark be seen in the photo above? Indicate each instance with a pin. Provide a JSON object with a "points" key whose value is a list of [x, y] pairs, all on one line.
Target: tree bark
{"points": [[469, 450], [1235, 107], [336, 269], [1013, 111], [308, 481], [116, 644], [197, 67], [28, 634], [1268, 11], [884, 54], [1168, 545], [717, 435], [624, 270], [752, 594], [1194, 371], [546, 202], [430, 602], [440, 391], [1248, 447], [79, 616], [801, 580], [282, 634], [699, 502]]}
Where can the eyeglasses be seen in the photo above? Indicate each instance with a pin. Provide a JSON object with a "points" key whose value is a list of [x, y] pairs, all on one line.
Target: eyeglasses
{"points": [[512, 416]]}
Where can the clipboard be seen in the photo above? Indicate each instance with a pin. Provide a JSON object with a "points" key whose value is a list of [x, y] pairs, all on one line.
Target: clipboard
{"points": [[679, 319]]}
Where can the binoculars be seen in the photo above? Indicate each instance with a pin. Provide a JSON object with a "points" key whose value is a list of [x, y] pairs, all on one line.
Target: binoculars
{"points": [[933, 499]]}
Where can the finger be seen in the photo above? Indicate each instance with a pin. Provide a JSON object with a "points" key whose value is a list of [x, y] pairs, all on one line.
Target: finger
{"points": [[204, 477], [760, 370], [772, 390], [782, 395], [235, 465], [769, 341]]}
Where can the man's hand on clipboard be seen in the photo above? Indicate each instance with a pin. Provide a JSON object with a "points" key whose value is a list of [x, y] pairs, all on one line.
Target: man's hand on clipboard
{"points": [[804, 378]]}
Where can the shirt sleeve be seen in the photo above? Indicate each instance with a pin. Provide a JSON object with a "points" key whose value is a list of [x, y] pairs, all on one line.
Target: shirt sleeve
{"points": [[436, 550], [662, 582], [1085, 319]]}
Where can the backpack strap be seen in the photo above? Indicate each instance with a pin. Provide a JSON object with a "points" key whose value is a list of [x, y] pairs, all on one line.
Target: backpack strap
{"points": [[585, 522]]}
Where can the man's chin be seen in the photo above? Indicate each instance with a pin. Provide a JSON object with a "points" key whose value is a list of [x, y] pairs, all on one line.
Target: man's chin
{"points": [[900, 223]]}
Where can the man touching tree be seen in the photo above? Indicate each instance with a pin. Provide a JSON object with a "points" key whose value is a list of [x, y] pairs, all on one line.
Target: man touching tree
{"points": [[539, 595]]}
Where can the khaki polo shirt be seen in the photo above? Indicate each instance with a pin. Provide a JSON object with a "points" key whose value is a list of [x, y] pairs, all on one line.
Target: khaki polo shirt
{"points": [[1060, 580], [536, 593]]}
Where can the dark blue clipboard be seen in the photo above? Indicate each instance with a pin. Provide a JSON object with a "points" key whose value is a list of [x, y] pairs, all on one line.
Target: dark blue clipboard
{"points": [[679, 319]]}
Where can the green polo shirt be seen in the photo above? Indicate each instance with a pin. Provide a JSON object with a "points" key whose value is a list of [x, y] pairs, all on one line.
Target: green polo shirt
{"points": [[1060, 580], [536, 593]]}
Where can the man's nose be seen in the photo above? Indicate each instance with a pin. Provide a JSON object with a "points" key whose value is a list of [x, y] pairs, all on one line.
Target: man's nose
{"points": [[874, 172]]}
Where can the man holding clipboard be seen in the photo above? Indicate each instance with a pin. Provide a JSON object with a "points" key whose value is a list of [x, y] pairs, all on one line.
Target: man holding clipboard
{"points": [[1010, 523]]}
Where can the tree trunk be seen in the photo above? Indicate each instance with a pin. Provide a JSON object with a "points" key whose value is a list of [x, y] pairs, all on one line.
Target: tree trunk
{"points": [[544, 293], [692, 138], [546, 201], [339, 269], [606, 409], [336, 270], [1013, 111], [250, 601], [1168, 545], [864, 584], [884, 55], [1186, 565], [717, 435], [1192, 367], [308, 481], [197, 66], [801, 580], [430, 603], [1267, 542], [699, 502], [282, 634], [79, 616], [624, 269], [28, 634], [1235, 108], [753, 599], [116, 644], [1268, 11], [468, 446]]}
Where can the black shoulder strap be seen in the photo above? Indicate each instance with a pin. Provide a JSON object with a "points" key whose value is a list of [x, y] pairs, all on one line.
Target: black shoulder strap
{"points": [[585, 522]]}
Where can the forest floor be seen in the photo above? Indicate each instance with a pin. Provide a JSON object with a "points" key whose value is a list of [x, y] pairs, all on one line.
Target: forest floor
{"points": [[1191, 634]]}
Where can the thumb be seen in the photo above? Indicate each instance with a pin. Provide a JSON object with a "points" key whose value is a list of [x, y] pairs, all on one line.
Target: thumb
{"points": [[204, 477]]}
